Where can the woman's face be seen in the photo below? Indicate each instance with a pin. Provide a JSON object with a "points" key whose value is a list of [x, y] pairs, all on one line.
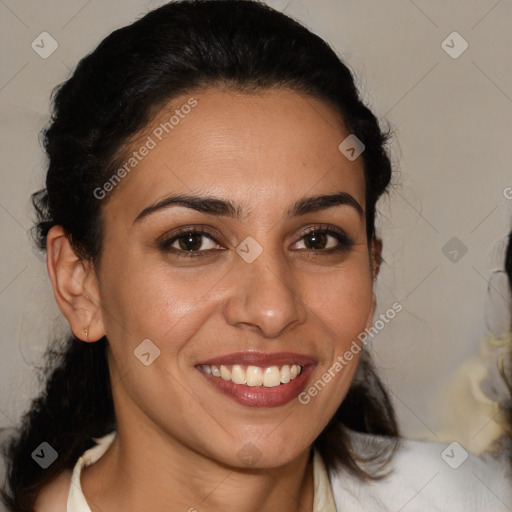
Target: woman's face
{"points": [[254, 293]]}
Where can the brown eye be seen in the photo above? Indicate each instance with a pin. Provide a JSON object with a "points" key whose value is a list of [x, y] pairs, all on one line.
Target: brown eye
{"points": [[316, 240], [189, 243], [326, 240]]}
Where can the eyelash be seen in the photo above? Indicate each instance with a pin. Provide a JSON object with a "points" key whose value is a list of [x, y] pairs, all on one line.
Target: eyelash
{"points": [[345, 242]]}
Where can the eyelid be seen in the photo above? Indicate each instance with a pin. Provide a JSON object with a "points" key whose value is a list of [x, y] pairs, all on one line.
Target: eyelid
{"points": [[324, 227], [194, 228]]}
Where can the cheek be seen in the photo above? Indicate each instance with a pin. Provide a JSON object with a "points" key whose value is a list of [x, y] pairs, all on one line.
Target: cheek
{"points": [[342, 312], [344, 303], [158, 302], [153, 301]]}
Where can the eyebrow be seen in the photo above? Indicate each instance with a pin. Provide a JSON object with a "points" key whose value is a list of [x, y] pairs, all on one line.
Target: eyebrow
{"points": [[222, 207]]}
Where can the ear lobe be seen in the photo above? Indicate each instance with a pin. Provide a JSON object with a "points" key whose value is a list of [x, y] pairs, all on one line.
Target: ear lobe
{"points": [[74, 285]]}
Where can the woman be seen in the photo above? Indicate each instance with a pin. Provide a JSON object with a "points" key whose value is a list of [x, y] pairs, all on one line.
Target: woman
{"points": [[209, 225]]}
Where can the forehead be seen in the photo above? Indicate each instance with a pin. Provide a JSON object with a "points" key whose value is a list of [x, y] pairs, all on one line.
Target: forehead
{"points": [[267, 146]]}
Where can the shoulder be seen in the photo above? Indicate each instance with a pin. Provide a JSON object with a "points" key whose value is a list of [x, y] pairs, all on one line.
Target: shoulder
{"points": [[426, 475], [54, 496]]}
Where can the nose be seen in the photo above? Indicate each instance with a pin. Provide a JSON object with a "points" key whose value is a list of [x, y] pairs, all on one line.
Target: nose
{"points": [[264, 298]]}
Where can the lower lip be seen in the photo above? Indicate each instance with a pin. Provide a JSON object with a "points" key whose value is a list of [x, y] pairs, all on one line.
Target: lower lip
{"points": [[261, 396]]}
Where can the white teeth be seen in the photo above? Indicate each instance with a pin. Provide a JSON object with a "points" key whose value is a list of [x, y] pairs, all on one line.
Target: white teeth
{"points": [[225, 373], [272, 377], [255, 376], [285, 374], [238, 375]]}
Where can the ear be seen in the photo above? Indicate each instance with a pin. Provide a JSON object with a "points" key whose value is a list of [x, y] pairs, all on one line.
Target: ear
{"points": [[376, 250], [75, 286], [376, 259], [369, 320]]}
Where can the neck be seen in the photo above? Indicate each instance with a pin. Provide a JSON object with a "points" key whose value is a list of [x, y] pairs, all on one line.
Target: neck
{"points": [[144, 471]]}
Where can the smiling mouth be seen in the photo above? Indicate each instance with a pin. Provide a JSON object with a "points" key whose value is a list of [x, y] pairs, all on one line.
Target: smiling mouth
{"points": [[254, 376], [258, 379]]}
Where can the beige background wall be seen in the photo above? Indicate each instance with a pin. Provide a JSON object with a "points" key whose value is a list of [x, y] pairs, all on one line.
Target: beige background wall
{"points": [[452, 119]]}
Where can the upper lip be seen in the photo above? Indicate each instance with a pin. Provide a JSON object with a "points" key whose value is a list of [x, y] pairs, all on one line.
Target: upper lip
{"points": [[260, 359]]}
